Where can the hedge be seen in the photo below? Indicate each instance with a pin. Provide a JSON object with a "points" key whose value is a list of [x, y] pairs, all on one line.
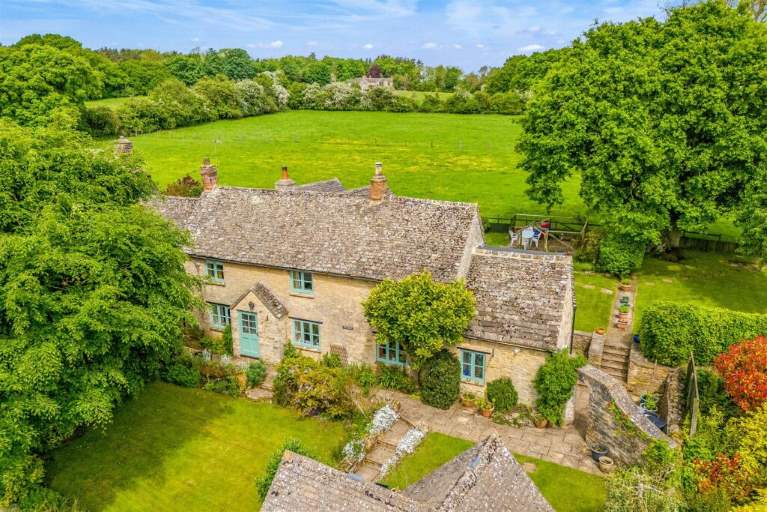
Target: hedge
{"points": [[440, 380], [670, 332]]}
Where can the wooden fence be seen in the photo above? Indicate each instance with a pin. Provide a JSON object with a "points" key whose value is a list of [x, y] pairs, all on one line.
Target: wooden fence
{"points": [[692, 404]]}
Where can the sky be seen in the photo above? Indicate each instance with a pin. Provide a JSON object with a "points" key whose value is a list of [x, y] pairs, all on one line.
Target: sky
{"points": [[464, 33]]}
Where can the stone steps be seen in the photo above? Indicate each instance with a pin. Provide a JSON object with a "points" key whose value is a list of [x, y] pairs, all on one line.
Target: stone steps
{"points": [[380, 454]]}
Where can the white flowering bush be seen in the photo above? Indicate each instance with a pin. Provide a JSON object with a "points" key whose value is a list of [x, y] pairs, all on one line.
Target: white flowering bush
{"points": [[354, 451], [341, 96], [383, 419], [314, 97], [253, 97], [406, 445]]}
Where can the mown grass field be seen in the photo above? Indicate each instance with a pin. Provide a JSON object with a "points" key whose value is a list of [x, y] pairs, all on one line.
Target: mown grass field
{"points": [[179, 449], [566, 489], [704, 279], [439, 156], [109, 102]]}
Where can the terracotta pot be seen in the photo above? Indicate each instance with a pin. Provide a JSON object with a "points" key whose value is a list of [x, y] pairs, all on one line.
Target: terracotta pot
{"points": [[540, 422], [606, 464], [600, 330], [624, 287], [486, 412]]}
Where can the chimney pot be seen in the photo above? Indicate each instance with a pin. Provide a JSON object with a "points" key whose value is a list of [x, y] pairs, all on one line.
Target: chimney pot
{"points": [[123, 146], [378, 184], [209, 175], [285, 183]]}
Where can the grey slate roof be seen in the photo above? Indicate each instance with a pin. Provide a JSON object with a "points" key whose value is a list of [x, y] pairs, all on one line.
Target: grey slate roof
{"points": [[521, 296], [267, 298], [335, 233], [332, 185], [484, 478]]}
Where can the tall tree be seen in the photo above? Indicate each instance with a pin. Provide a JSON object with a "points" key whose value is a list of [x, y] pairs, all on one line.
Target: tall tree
{"points": [[93, 293], [664, 122]]}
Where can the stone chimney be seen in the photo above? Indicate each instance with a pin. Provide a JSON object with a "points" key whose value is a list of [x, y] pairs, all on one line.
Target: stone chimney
{"points": [[123, 146], [209, 175], [378, 186], [285, 183]]}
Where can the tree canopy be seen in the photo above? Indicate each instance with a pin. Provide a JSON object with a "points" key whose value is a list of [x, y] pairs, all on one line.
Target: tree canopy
{"points": [[663, 121], [93, 293], [423, 315]]}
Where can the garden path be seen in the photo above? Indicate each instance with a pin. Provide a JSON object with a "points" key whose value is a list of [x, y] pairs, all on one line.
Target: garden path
{"points": [[617, 347], [563, 446]]}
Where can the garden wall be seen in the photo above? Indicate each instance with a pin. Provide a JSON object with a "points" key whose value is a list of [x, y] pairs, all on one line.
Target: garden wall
{"points": [[581, 342], [610, 418], [645, 376]]}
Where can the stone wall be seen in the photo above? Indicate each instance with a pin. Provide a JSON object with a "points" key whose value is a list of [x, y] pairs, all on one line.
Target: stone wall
{"points": [[581, 342], [518, 363], [671, 403], [611, 419], [596, 348], [645, 376]]}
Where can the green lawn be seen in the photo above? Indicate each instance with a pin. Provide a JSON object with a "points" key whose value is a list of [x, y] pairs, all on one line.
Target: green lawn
{"points": [[109, 102], [420, 95], [592, 300], [183, 449], [706, 279], [440, 156], [566, 489]]}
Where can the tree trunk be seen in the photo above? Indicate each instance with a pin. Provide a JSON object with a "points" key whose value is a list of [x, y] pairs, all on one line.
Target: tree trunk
{"points": [[673, 238]]}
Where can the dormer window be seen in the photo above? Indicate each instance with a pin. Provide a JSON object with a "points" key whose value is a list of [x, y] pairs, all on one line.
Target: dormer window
{"points": [[214, 271], [301, 282]]}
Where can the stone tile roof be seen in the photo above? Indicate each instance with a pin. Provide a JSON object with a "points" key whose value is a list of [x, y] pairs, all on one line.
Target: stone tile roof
{"points": [[267, 298], [332, 185], [486, 477], [335, 233], [303, 484], [521, 296]]}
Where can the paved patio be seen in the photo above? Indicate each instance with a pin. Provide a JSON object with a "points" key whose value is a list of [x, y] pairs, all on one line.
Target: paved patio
{"points": [[563, 446]]}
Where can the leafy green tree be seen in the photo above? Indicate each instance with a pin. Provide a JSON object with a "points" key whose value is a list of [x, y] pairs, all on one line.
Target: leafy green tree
{"points": [[663, 122], [423, 315], [93, 293]]}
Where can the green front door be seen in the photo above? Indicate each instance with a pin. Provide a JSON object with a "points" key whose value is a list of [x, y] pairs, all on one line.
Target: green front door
{"points": [[249, 334]]}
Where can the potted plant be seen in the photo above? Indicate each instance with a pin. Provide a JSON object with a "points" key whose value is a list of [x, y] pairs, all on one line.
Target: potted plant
{"points": [[599, 330], [606, 464], [540, 421], [625, 285], [468, 400], [485, 407], [649, 402], [598, 451]]}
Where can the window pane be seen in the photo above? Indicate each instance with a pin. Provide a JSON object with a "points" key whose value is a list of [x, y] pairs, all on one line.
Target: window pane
{"points": [[382, 351], [467, 370], [466, 357]]}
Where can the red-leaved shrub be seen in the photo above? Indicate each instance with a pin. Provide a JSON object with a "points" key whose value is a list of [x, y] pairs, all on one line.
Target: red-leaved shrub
{"points": [[744, 370]]}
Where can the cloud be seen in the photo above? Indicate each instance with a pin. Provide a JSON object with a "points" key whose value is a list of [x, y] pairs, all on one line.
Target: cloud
{"points": [[530, 48], [430, 45], [387, 8], [195, 39], [479, 45], [272, 44], [457, 46], [312, 43], [368, 46]]}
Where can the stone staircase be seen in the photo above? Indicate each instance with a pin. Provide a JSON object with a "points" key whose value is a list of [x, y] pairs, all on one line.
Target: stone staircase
{"points": [[615, 361], [265, 390], [382, 451], [614, 354]]}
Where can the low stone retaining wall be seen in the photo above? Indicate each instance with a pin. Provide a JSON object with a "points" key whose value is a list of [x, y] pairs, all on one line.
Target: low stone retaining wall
{"points": [[611, 419], [671, 403], [581, 342], [645, 376], [596, 347]]}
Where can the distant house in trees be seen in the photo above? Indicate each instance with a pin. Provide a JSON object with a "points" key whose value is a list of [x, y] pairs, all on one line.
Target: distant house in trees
{"points": [[297, 261], [374, 78]]}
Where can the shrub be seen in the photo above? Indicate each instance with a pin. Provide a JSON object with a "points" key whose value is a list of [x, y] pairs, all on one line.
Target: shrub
{"points": [[256, 374], [670, 332], [431, 103], [312, 388], [222, 98], [184, 187], [363, 375], [744, 369], [226, 386], [440, 380], [264, 483], [713, 394], [502, 394], [554, 382], [101, 121], [620, 256], [183, 375], [632, 489], [394, 377], [331, 360]]}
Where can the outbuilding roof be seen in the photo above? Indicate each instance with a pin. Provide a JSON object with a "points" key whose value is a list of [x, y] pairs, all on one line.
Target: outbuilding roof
{"points": [[486, 477]]}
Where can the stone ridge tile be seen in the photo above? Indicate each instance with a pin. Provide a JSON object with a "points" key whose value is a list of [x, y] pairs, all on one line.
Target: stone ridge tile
{"points": [[520, 297], [341, 234]]}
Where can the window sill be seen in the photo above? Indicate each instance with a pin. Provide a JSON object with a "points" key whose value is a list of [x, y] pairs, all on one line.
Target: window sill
{"points": [[294, 293], [215, 283], [308, 349], [473, 383]]}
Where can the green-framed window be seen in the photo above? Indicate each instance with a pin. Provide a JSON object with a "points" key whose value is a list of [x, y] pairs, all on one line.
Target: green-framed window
{"points": [[306, 334], [220, 316], [473, 365], [390, 353], [214, 271], [301, 282]]}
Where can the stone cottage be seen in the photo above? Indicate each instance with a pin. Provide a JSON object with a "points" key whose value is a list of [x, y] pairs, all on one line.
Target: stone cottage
{"points": [[485, 477], [294, 263]]}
